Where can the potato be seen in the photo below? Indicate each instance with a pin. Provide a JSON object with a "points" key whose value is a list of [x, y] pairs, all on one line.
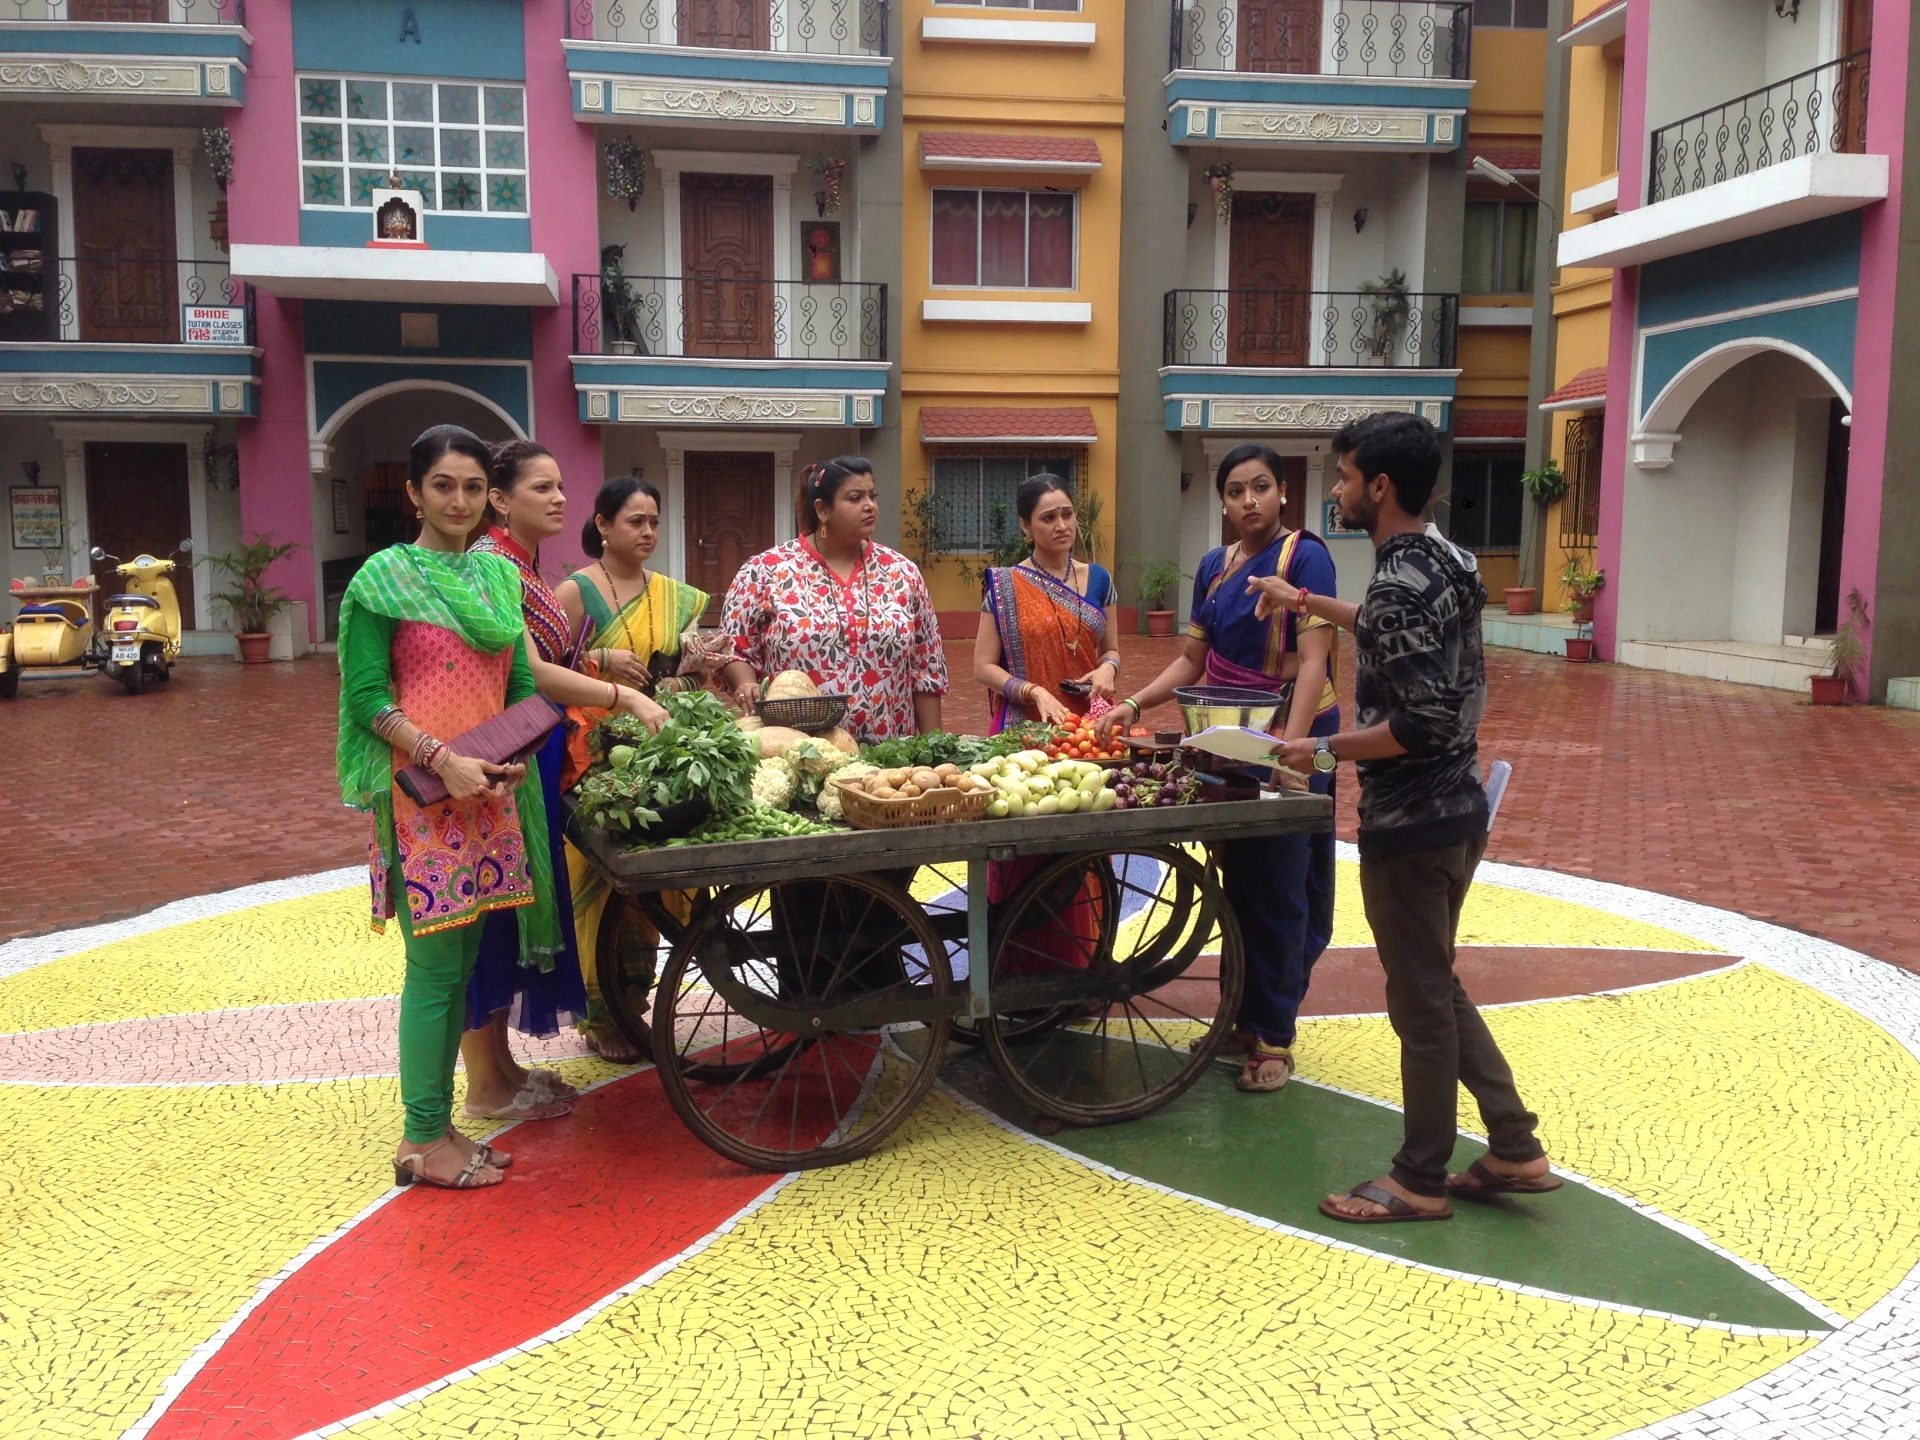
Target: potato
{"points": [[909, 791], [925, 778], [884, 792], [947, 771], [791, 685], [898, 777]]}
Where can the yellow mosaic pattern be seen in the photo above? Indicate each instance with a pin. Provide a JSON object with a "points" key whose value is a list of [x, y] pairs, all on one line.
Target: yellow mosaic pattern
{"points": [[967, 1283], [318, 947], [1734, 1102]]}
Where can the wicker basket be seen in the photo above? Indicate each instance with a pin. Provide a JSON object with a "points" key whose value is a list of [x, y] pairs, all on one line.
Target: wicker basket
{"points": [[945, 806], [810, 714]]}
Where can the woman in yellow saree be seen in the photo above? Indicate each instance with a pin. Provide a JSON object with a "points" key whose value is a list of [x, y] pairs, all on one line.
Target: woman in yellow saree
{"points": [[632, 614]]}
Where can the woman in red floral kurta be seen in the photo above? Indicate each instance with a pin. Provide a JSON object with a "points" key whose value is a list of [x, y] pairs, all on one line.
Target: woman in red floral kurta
{"points": [[851, 613]]}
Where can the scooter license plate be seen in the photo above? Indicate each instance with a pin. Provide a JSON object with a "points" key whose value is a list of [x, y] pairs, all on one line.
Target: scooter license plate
{"points": [[126, 654]]}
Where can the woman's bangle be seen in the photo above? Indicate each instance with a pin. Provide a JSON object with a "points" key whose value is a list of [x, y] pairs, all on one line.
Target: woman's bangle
{"points": [[1009, 688], [613, 690], [1300, 602], [1112, 659], [435, 755], [1026, 693], [389, 719], [1136, 706], [423, 744]]}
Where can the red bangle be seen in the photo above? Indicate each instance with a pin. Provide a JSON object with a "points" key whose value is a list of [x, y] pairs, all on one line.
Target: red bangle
{"points": [[1301, 603]]}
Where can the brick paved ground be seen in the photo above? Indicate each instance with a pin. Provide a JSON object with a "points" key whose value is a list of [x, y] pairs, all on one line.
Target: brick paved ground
{"points": [[1727, 794]]}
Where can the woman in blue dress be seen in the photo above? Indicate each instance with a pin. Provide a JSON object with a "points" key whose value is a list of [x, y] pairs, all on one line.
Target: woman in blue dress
{"points": [[1281, 887]]}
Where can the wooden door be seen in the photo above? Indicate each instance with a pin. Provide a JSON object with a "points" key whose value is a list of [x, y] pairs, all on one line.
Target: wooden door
{"points": [[726, 24], [1850, 86], [137, 505], [729, 517], [123, 243], [1280, 37], [1833, 522], [1269, 278], [1293, 514], [726, 259], [119, 12]]}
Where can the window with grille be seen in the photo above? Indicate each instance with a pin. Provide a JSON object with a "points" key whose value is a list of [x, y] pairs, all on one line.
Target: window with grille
{"points": [[1483, 507], [974, 495], [1580, 507], [1497, 247], [1003, 239], [462, 145]]}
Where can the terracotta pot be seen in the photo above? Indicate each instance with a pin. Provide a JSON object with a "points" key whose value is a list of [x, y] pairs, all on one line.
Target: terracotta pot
{"points": [[1828, 689], [253, 648], [1126, 619], [1579, 650], [1520, 599], [1160, 622], [1583, 612]]}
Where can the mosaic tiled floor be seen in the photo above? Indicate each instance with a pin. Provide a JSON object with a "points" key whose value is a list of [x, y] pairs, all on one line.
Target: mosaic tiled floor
{"points": [[199, 1240]]}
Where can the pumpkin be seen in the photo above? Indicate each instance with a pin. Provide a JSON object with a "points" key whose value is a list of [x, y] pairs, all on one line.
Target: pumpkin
{"points": [[791, 685], [841, 741], [777, 740]]}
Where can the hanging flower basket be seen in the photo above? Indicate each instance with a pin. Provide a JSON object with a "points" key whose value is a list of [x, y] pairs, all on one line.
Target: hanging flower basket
{"points": [[626, 172], [832, 173], [1220, 179]]}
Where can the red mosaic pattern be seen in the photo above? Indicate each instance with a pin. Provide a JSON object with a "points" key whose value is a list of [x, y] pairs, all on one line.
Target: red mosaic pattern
{"points": [[1003, 423], [1038, 150]]}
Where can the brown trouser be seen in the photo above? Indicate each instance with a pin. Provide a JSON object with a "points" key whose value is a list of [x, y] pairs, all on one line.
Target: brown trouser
{"points": [[1413, 904]]}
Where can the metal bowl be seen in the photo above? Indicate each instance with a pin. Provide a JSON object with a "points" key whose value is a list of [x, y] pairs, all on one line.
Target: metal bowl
{"points": [[1204, 706]]}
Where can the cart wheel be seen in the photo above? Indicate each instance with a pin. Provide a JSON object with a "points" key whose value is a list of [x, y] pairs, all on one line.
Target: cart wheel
{"points": [[772, 1020], [1129, 955], [1018, 1025]]}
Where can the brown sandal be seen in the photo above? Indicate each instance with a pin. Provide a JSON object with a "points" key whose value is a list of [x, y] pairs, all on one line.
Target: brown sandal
{"points": [[407, 1172], [598, 1039], [1492, 1182], [1398, 1210], [1259, 1056], [499, 1159]]}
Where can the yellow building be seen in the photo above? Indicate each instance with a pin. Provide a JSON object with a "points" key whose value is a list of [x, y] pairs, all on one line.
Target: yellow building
{"points": [[1582, 298], [1500, 248], [1010, 224]]}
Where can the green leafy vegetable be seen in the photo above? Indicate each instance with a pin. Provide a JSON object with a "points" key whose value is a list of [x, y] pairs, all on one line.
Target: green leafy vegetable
{"points": [[700, 753], [761, 823], [937, 747]]}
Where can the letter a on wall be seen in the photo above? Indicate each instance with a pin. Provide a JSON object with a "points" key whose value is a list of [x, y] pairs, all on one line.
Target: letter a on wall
{"points": [[409, 26]]}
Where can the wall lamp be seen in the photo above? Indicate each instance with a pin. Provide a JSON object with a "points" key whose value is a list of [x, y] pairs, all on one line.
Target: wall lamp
{"points": [[1359, 219], [1484, 166]]}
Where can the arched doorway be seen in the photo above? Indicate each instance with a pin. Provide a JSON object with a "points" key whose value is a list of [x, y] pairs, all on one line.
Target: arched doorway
{"points": [[1734, 501], [361, 502]]}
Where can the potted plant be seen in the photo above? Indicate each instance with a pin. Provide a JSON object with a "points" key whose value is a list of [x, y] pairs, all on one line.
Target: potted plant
{"points": [[252, 602], [1581, 585], [1155, 583], [1844, 655], [618, 304], [1546, 485], [1391, 306], [218, 142], [53, 571]]}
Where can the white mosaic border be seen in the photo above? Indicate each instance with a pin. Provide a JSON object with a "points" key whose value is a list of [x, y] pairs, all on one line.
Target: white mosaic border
{"points": [[1863, 1381]]}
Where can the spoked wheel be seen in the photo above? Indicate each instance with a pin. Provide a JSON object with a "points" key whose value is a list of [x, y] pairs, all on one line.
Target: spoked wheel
{"points": [[774, 1020], [1143, 955], [1017, 1025]]}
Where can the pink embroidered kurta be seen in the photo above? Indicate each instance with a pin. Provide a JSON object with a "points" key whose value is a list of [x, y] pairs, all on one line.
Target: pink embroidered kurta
{"points": [[459, 858], [873, 638]]}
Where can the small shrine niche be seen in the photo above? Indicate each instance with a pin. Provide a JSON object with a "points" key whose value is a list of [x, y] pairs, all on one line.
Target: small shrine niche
{"points": [[398, 217]]}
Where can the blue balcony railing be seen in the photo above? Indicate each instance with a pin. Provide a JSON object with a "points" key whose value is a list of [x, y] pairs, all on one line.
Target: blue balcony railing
{"points": [[1823, 109], [1289, 329], [1382, 39], [801, 27]]}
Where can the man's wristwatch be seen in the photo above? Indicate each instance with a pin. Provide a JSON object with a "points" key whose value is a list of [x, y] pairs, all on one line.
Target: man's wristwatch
{"points": [[1323, 757]]}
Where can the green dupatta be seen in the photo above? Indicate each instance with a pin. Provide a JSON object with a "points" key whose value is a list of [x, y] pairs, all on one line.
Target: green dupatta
{"points": [[477, 596]]}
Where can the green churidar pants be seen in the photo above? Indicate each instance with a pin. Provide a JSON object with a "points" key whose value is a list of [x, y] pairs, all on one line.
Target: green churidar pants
{"points": [[433, 1013]]}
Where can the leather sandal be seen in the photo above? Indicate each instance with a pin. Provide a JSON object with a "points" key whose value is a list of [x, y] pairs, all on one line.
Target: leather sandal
{"points": [[527, 1104], [1480, 1180], [410, 1170], [548, 1083], [1260, 1056], [499, 1159], [1238, 1043], [1398, 1211]]}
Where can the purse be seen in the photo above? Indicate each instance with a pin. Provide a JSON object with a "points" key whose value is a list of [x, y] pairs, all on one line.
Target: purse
{"points": [[513, 734]]}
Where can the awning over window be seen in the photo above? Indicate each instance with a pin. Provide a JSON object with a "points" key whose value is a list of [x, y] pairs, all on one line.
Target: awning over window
{"points": [[1032, 153], [1585, 391], [1489, 425], [1601, 26], [1006, 425], [1514, 159]]}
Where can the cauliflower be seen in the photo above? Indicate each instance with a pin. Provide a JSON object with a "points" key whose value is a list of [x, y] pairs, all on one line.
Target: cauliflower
{"points": [[773, 784], [829, 801]]}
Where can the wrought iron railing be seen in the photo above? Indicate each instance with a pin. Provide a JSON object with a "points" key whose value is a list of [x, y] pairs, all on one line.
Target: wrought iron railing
{"points": [[1822, 109], [1281, 329], [109, 300], [806, 27], [1386, 39], [1580, 506], [111, 12], [729, 319]]}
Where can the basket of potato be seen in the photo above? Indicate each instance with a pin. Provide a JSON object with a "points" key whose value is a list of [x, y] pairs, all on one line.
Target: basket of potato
{"points": [[939, 795]]}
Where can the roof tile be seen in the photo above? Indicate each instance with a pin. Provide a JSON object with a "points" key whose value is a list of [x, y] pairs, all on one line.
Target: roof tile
{"points": [[1004, 423], [1037, 151]]}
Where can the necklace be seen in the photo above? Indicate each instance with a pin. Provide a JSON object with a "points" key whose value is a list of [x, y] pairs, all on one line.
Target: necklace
{"points": [[646, 605], [1060, 626]]}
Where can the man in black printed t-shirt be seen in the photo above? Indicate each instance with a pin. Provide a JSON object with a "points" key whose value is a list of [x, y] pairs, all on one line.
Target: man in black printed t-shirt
{"points": [[1419, 692]]}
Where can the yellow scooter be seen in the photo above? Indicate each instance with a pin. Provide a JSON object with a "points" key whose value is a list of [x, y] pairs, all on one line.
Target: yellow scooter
{"points": [[141, 634]]}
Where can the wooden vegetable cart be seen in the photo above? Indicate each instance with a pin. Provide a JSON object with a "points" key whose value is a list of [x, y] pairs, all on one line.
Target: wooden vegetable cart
{"points": [[809, 992]]}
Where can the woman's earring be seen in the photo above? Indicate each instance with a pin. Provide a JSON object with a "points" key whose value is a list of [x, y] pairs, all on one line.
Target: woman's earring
{"points": [[419, 514]]}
